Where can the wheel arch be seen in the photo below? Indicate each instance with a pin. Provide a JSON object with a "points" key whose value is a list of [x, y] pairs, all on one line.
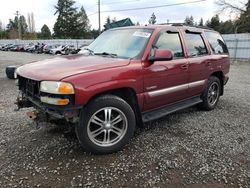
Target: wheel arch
{"points": [[220, 75], [129, 95]]}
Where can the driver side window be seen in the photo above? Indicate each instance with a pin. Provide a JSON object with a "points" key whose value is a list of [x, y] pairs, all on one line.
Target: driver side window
{"points": [[170, 41]]}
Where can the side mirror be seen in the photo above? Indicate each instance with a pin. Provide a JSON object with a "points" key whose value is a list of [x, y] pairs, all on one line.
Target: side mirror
{"points": [[161, 55]]}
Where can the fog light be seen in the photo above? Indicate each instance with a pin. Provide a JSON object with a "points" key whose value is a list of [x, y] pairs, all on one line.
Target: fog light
{"points": [[55, 101]]}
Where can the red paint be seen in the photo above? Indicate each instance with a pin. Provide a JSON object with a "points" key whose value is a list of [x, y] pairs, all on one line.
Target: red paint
{"points": [[93, 75]]}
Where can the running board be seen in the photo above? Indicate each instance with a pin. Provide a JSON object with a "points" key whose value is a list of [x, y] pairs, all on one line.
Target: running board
{"points": [[156, 114]]}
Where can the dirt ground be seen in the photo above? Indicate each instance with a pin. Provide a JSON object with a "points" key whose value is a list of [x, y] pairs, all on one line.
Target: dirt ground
{"points": [[190, 148]]}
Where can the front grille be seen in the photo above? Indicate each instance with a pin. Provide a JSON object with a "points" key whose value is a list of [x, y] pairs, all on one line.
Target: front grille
{"points": [[29, 87]]}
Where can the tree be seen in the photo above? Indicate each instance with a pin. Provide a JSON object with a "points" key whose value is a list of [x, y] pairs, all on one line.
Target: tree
{"points": [[152, 19], [243, 24], [12, 26], [31, 23], [70, 23], [201, 22], [227, 27], [3, 33], [108, 20], [83, 26], [45, 32], [215, 23], [113, 20], [232, 6], [66, 20], [189, 20], [23, 24]]}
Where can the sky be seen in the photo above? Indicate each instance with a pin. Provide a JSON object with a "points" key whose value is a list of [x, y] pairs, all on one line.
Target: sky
{"points": [[44, 11]]}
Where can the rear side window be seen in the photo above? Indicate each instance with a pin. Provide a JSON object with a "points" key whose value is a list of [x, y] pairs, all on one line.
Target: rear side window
{"points": [[170, 41], [195, 44], [216, 42]]}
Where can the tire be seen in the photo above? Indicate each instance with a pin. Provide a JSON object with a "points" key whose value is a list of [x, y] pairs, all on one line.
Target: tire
{"points": [[211, 94], [10, 72], [94, 121]]}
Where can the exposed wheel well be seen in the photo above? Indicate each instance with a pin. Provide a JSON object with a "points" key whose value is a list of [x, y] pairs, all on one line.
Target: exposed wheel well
{"points": [[219, 74], [129, 95]]}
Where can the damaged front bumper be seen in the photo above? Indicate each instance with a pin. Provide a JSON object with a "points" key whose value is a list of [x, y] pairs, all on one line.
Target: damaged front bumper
{"points": [[70, 113]]}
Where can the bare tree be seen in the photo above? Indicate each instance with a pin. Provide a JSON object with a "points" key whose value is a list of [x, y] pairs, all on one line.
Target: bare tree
{"points": [[31, 23], [33, 28], [231, 6]]}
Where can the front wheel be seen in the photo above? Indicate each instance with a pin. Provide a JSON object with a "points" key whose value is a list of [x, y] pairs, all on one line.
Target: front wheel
{"points": [[211, 94], [106, 125]]}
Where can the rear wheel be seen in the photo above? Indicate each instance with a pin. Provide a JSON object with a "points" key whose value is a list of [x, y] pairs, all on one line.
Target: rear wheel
{"points": [[211, 94], [106, 125]]}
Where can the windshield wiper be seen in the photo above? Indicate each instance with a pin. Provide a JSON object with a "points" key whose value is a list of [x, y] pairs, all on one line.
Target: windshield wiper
{"points": [[107, 54]]}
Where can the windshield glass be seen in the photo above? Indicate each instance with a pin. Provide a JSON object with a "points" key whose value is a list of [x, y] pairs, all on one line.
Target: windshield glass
{"points": [[122, 43]]}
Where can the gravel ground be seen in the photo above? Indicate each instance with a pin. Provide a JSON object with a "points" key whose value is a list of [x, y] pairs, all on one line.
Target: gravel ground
{"points": [[190, 148]]}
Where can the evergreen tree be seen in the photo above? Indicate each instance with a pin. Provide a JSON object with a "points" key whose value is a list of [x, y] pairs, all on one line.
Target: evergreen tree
{"points": [[12, 26], [189, 20], [214, 23], [201, 22], [45, 32], [152, 19], [83, 26], [70, 23], [23, 24], [243, 24], [113, 20], [108, 20], [66, 21], [226, 27]]}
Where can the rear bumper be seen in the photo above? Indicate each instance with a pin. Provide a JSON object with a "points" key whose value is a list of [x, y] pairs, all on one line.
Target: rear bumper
{"points": [[226, 78]]}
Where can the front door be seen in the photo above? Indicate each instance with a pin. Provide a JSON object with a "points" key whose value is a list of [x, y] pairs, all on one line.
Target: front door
{"points": [[166, 82]]}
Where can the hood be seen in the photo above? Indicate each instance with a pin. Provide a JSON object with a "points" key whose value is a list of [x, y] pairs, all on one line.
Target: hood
{"points": [[62, 67]]}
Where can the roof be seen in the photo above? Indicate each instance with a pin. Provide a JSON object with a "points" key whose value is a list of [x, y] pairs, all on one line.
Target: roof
{"points": [[174, 27]]}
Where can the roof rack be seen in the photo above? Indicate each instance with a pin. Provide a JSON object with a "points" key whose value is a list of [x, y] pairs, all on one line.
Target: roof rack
{"points": [[188, 25]]}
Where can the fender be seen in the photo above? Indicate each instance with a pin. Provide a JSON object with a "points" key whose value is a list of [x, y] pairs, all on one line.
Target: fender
{"points": [[84, 95]]}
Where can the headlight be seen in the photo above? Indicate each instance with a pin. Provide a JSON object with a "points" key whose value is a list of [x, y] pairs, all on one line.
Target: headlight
{"points": [[56, 87]]}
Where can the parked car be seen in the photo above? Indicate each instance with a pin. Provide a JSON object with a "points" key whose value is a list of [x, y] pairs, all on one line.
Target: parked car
{"points": [[27, 47], [7, 47], [69, 49], [17, 48], [58, 50], [1, 46], [48, 47], [130, 75]]}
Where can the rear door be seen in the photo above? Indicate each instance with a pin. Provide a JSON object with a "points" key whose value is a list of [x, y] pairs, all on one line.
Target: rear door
{"points": [[165, 82], [198, 57]]}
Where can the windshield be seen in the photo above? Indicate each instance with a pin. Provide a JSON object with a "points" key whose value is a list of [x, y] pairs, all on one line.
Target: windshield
{"points": [[122, 43]]}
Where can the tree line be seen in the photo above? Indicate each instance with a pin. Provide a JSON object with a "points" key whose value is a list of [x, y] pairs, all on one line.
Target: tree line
{"points": [[73, 22]]}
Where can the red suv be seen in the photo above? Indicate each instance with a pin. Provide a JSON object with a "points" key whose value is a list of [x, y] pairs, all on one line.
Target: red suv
{"points": [[126, 77]]}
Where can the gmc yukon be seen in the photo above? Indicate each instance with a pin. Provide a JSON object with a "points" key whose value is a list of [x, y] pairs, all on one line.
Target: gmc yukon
{"points": [[126, 77]]}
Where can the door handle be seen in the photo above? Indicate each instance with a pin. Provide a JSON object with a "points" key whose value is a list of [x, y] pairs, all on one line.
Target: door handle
{"points": [[184, 67]]}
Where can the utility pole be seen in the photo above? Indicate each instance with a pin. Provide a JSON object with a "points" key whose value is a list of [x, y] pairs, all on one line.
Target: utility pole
{"points": [[99, 15], [19, 25]]}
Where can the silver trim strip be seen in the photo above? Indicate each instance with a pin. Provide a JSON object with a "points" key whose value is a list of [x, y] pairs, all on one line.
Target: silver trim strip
{"points": [[169, 90], [198, 83]]}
